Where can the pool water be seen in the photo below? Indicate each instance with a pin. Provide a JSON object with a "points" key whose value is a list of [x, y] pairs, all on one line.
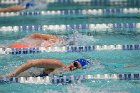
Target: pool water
{"points": [[105, 61]]}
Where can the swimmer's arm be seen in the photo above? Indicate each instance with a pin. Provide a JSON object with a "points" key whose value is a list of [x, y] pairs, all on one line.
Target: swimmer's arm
{"points": [[26, 66], [34, 63], [12, 9], [44, 36]]}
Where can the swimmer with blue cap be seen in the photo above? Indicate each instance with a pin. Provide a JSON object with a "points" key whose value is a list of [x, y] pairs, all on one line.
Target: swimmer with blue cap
{"points": [[49, 66], [26, 4], [78, 63]]}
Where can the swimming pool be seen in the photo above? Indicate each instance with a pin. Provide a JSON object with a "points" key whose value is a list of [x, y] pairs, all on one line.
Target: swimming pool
{"points": [[106, 61]]}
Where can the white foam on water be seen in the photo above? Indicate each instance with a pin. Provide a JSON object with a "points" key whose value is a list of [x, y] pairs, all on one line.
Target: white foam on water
{"points": [[79, 39], [38, 4], [79, 89], [51, 91], [76, 39], [41, 4], [113, 87], [93, 65], [83, 39]]}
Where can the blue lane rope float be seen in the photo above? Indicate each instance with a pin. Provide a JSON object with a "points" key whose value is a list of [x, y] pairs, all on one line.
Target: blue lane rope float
{"points": [[69, 79], [91, 2], [95, 12], [135, 27], [15, 51]]}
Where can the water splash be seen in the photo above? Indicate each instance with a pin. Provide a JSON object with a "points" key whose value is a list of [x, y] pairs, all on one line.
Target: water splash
{"points": [[51, 91], [37, 4], [41, 4], [95, 64], [113, 87], [78, 39], [79, 89]]}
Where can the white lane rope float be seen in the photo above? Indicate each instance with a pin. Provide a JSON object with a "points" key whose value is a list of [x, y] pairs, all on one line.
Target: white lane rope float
{"points": [[94, 12], [69, 79], [62, 28], [15, 51], [9, 1], [91, 2]]}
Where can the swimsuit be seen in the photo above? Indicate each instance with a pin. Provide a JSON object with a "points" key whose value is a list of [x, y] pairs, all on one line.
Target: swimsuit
{"points": [[33, 72], [18, 45], [42, 74]]}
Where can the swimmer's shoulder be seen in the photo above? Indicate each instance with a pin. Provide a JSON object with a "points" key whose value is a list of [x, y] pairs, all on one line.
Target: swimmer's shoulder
{"points": [[52, 61]]}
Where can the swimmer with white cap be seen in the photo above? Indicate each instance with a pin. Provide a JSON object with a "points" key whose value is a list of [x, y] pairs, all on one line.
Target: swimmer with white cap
{"points": [[26, 4], [49, 66]]}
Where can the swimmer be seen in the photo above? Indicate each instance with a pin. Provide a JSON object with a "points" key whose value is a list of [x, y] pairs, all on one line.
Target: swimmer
{"points": [[46, 40], [27, 4], [49, 66], [35, 40]]}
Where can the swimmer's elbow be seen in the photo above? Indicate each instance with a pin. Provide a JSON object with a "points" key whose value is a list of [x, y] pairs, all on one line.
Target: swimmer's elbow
{"points": [[30, 63], [35, 35], [35, 63]]}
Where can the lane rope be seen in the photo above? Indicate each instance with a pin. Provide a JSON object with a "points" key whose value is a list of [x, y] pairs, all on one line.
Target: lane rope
{"points": [[95, 12], [70, 79], [91, 2], [111, 27], [15, 51]]}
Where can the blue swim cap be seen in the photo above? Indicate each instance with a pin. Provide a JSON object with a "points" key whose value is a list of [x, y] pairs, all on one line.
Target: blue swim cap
{"points": [[82, 61], [30, 4]]}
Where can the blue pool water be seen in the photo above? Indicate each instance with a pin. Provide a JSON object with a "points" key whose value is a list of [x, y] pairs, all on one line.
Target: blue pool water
{"points": [[105, 61]]}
